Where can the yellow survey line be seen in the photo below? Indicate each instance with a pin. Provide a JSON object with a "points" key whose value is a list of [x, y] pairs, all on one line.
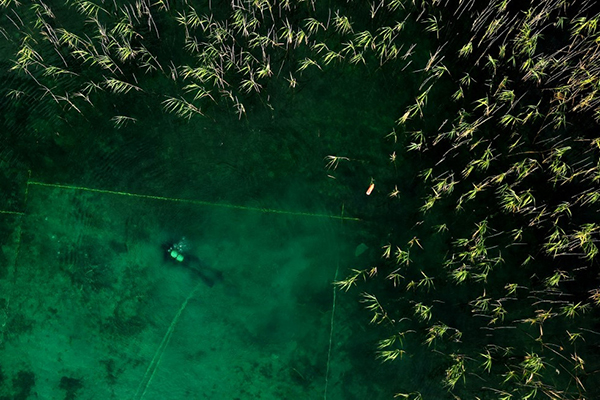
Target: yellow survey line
{"points": [[189, 201], [12, 212]]}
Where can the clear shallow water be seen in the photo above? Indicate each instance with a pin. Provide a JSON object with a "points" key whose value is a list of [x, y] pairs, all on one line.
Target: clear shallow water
{"points": [[93, 308], [95, 298]]}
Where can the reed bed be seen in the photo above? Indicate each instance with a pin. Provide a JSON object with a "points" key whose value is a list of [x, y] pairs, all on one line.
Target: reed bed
{"points": [[510, 178]]}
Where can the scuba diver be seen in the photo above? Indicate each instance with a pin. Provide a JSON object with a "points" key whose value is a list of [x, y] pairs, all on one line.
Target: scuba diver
{"points": [[176, 253]]}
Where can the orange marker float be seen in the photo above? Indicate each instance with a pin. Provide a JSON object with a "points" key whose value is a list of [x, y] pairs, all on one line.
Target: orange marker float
{"points": [[371, 187]]}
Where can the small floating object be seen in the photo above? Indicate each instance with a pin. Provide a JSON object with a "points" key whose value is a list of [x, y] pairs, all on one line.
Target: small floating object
{"points": [[371, 187]]}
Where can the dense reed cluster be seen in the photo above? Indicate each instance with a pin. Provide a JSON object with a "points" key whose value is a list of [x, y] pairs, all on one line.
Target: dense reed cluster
{"points": [[208, 53], [495, 278], [510, 166]]}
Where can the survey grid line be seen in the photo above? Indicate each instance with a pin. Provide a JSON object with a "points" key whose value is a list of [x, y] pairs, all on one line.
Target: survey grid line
{"points": [[191, 201]]}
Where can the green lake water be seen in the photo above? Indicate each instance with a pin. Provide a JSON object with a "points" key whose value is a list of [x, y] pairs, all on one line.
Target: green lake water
{"points": [[299, 200], [93, 307]]}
